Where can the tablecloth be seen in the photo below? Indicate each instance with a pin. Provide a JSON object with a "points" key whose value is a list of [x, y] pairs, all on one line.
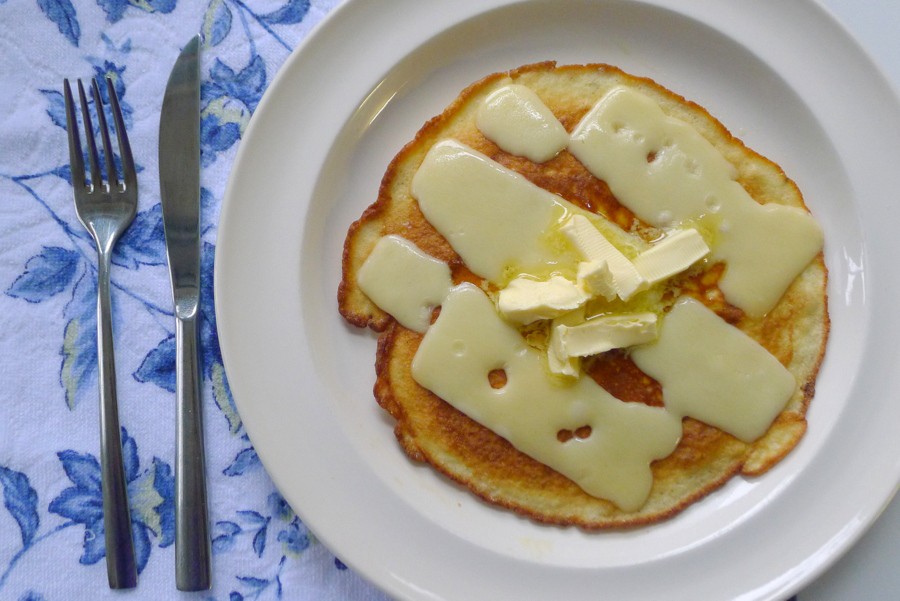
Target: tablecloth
{"points": [[51, 529], [51, 525]]}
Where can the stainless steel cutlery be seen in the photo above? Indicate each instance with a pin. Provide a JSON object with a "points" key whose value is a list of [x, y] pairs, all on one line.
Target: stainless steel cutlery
{"points": [[179, 182], [106, 204], [106, 208]]}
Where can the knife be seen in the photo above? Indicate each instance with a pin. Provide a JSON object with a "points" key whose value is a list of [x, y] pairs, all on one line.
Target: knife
{"points": [[179, 181]]}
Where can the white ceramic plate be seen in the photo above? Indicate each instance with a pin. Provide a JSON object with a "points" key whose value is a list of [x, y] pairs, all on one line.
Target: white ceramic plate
{"points": [[783, 76]]}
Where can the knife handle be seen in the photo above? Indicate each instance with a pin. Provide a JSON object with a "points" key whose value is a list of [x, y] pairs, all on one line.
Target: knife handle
{"points": [[192, 545]]}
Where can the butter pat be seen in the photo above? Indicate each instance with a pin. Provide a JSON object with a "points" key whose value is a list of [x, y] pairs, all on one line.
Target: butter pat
{"points": [[594, 246], [671, 255], [558, 361], [404, 281], [526, 300], [715, 373], [595, 278], [605, 333], [516, 120]]}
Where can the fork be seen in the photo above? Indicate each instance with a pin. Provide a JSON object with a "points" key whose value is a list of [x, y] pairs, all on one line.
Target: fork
{"points": [[106, 210]]}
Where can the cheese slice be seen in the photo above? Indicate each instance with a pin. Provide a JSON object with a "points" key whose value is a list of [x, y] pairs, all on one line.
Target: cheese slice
{"points": [[404, 281], [666, 172], [594, 246], [714, 372], [469, 340], [494, 218], [671, 255], [516, 120]]}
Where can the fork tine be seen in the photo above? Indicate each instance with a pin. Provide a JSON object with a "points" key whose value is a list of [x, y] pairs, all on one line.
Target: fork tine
{"points": [[76, 160], [96, 178], [111, 176], [128, 171]]}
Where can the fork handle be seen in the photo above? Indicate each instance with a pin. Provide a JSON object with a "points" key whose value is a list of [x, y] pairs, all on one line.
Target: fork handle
{"points": [[121, 568], [192, 545]]}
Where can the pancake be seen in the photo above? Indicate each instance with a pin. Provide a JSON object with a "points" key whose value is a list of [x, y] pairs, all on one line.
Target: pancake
{"points": [[431, 430]]}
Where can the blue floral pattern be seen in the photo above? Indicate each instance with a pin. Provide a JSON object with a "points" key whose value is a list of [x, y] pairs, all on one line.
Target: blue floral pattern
{"points": [[150, 495], [49, 469]]}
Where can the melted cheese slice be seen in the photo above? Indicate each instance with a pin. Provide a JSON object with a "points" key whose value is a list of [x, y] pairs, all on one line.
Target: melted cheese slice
{"points": [[404, 281], [666, 172], [469, 340], [516, 120], [714, 372], [494, 218]]}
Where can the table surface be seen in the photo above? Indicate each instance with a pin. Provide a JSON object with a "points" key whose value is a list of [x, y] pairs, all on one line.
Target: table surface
{"points": [[51, 530]]}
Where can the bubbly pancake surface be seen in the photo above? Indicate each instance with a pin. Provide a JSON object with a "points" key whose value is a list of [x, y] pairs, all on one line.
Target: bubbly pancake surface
{"points": [[431, 430]]}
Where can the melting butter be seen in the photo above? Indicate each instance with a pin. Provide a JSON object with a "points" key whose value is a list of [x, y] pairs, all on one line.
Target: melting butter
{"points": [[516, 120], [666, 173], [597, 278], [715, 373], [404, 281], [594, 246], [526, 300], [671, 255], [559, 362], [604, 333], [469, 340]]}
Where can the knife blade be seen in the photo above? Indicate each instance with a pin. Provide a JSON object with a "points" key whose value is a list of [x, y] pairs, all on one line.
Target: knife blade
{"points": [[179, 179]]}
